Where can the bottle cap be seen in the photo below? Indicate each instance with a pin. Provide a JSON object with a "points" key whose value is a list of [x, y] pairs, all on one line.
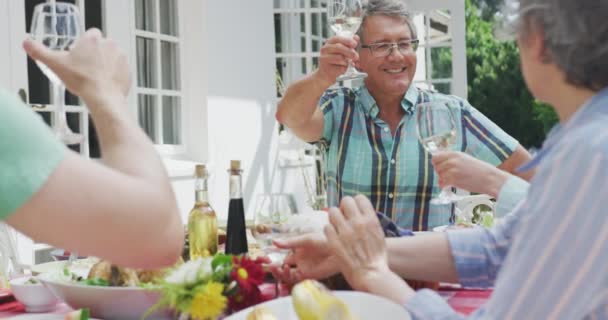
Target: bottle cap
{"points": [[200, 170], [235, 165]]}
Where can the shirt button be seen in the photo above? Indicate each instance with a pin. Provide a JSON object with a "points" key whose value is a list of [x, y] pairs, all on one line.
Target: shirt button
{"points": [[386, 129], [390, 195], [392, 161]]}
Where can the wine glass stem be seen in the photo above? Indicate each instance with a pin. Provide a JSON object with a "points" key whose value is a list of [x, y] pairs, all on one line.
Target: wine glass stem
{"points": [[61, 124]]}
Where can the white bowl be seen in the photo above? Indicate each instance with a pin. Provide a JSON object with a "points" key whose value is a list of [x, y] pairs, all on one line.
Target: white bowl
{"points": [[105, 302], [36, 297]]}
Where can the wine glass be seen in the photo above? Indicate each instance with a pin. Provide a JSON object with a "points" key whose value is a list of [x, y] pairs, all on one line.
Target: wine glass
{"points": [[271, 216], [57, 25], [436, 126], [345, 17]]}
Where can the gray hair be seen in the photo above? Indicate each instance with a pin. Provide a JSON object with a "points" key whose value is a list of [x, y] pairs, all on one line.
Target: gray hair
{"points": [[390, 8], [575, 35]]}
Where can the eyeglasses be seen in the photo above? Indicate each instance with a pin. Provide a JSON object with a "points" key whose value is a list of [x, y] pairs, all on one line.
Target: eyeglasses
{"points": [[384, 49]]}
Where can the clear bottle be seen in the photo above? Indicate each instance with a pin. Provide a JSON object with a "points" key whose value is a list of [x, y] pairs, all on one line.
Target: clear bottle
{"points": [[236, 235], [202, 221]]}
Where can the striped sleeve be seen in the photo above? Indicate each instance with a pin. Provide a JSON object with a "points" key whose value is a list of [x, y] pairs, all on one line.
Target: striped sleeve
{"points": [[558, 265], [332, 105], [484, 139], [478, 253]]}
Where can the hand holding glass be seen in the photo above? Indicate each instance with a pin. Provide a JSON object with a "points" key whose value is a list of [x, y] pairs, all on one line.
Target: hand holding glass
{"points": [[345, 17], [57, 25], [436, 126]]}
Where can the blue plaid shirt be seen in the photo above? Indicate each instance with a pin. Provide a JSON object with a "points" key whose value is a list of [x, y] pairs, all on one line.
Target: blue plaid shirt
{"points": [[394, 171]]}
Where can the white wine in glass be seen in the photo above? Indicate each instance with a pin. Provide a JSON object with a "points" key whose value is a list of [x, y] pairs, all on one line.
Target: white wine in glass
{"points": [[436, 125], [345, 17], [57, 25]]}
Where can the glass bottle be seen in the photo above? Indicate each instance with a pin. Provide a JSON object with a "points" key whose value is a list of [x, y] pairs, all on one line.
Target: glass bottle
{"points": [[236, 235], [202, 221]]}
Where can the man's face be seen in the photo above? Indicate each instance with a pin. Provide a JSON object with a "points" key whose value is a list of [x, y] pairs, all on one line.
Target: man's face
{"points": [[392, 74]]}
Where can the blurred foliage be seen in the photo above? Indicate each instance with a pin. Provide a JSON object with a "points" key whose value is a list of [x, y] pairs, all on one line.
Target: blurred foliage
{"points": [[495, 84]]}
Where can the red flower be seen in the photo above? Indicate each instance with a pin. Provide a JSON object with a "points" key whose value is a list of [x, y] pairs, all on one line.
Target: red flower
{"points": [[241, 301], [247, 273]]}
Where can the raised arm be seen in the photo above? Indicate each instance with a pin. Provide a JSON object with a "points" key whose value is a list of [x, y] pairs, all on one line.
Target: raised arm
{"points": [[298, 109], [122, 209]]}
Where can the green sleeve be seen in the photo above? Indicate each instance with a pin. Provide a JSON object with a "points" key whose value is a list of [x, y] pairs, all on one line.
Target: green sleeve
{"points": [[29, 153]]}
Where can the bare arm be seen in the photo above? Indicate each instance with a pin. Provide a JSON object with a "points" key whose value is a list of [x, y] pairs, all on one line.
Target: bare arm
{"points": [[425, 257], [515, 160], [298, 109], [123, 210]]}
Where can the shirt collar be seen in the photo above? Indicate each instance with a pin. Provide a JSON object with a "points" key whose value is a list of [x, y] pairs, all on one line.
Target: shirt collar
{"points": [[587, 110], [371, 108]]}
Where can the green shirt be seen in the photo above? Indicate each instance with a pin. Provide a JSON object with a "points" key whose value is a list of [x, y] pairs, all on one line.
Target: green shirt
{"points": [[29, 153]]}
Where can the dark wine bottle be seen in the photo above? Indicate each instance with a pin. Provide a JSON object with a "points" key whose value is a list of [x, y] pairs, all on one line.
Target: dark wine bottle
{"points": [[236, 235]]}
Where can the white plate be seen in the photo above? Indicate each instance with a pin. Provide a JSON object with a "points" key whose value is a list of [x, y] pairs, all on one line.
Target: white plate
{"points": [[42, 317], [105, 302], [363, 305]]}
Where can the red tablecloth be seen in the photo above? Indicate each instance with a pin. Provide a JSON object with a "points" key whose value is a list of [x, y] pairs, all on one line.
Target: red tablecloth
{"points": [[462, 300]]}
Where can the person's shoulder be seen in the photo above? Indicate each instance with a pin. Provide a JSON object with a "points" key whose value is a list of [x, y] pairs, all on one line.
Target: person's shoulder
{"points": [[335, 92], [589, 138], [433, 95]]}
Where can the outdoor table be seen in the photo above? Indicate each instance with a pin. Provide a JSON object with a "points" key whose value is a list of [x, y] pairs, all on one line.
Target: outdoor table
{"points": [[463, 301]]}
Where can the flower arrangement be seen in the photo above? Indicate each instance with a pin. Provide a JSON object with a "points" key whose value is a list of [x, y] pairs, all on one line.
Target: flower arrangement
{"points": [[207, 288]]}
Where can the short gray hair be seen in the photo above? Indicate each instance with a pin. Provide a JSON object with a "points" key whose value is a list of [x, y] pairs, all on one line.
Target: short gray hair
{"points": [[390, 8], [576, 37]]}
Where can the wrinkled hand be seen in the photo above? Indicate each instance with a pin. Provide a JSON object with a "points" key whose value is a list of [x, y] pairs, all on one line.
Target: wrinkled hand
{"points": [[357, 240], [93, 68], [334, 56], [310, 259], [461, 170]]}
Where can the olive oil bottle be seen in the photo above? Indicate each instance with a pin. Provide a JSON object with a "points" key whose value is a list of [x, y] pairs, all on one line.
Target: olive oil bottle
{"points": [[202, 221]]}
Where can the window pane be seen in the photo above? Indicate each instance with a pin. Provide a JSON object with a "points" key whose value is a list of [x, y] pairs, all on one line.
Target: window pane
{"points": [[287, 33], [324, 25], [439, 27], [441, 60], [171, 120], [169, 55], [168, 17], [291, 69], [443, 87], [146, 114], [315, 24], [146, 63], [145, 15]]}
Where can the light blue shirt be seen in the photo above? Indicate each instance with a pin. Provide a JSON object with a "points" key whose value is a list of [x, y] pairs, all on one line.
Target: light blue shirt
{"points": [[548, 259], [511, 194]]}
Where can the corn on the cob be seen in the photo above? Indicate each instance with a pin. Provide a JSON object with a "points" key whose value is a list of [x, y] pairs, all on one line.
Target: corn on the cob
{"points": [[312, 301]]}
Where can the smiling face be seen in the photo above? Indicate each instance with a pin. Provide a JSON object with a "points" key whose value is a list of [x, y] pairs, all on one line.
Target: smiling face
{"points": [[391, 75]]}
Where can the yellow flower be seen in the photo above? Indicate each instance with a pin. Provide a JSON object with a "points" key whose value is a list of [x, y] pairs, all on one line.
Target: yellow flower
{"points": [[208, 303]]}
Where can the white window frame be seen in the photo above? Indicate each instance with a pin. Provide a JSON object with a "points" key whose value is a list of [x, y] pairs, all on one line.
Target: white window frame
{"points": [[457, 44], [294, 36], [119, 16], [159, 92]]}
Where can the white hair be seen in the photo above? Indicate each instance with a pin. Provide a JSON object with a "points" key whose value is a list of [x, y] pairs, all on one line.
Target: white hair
{"points": [[575, 35]]}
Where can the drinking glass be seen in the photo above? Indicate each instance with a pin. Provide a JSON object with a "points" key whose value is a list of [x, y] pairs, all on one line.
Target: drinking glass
{"points": [[345, 17], [436, 125], [272, 212], [57, 25]]}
